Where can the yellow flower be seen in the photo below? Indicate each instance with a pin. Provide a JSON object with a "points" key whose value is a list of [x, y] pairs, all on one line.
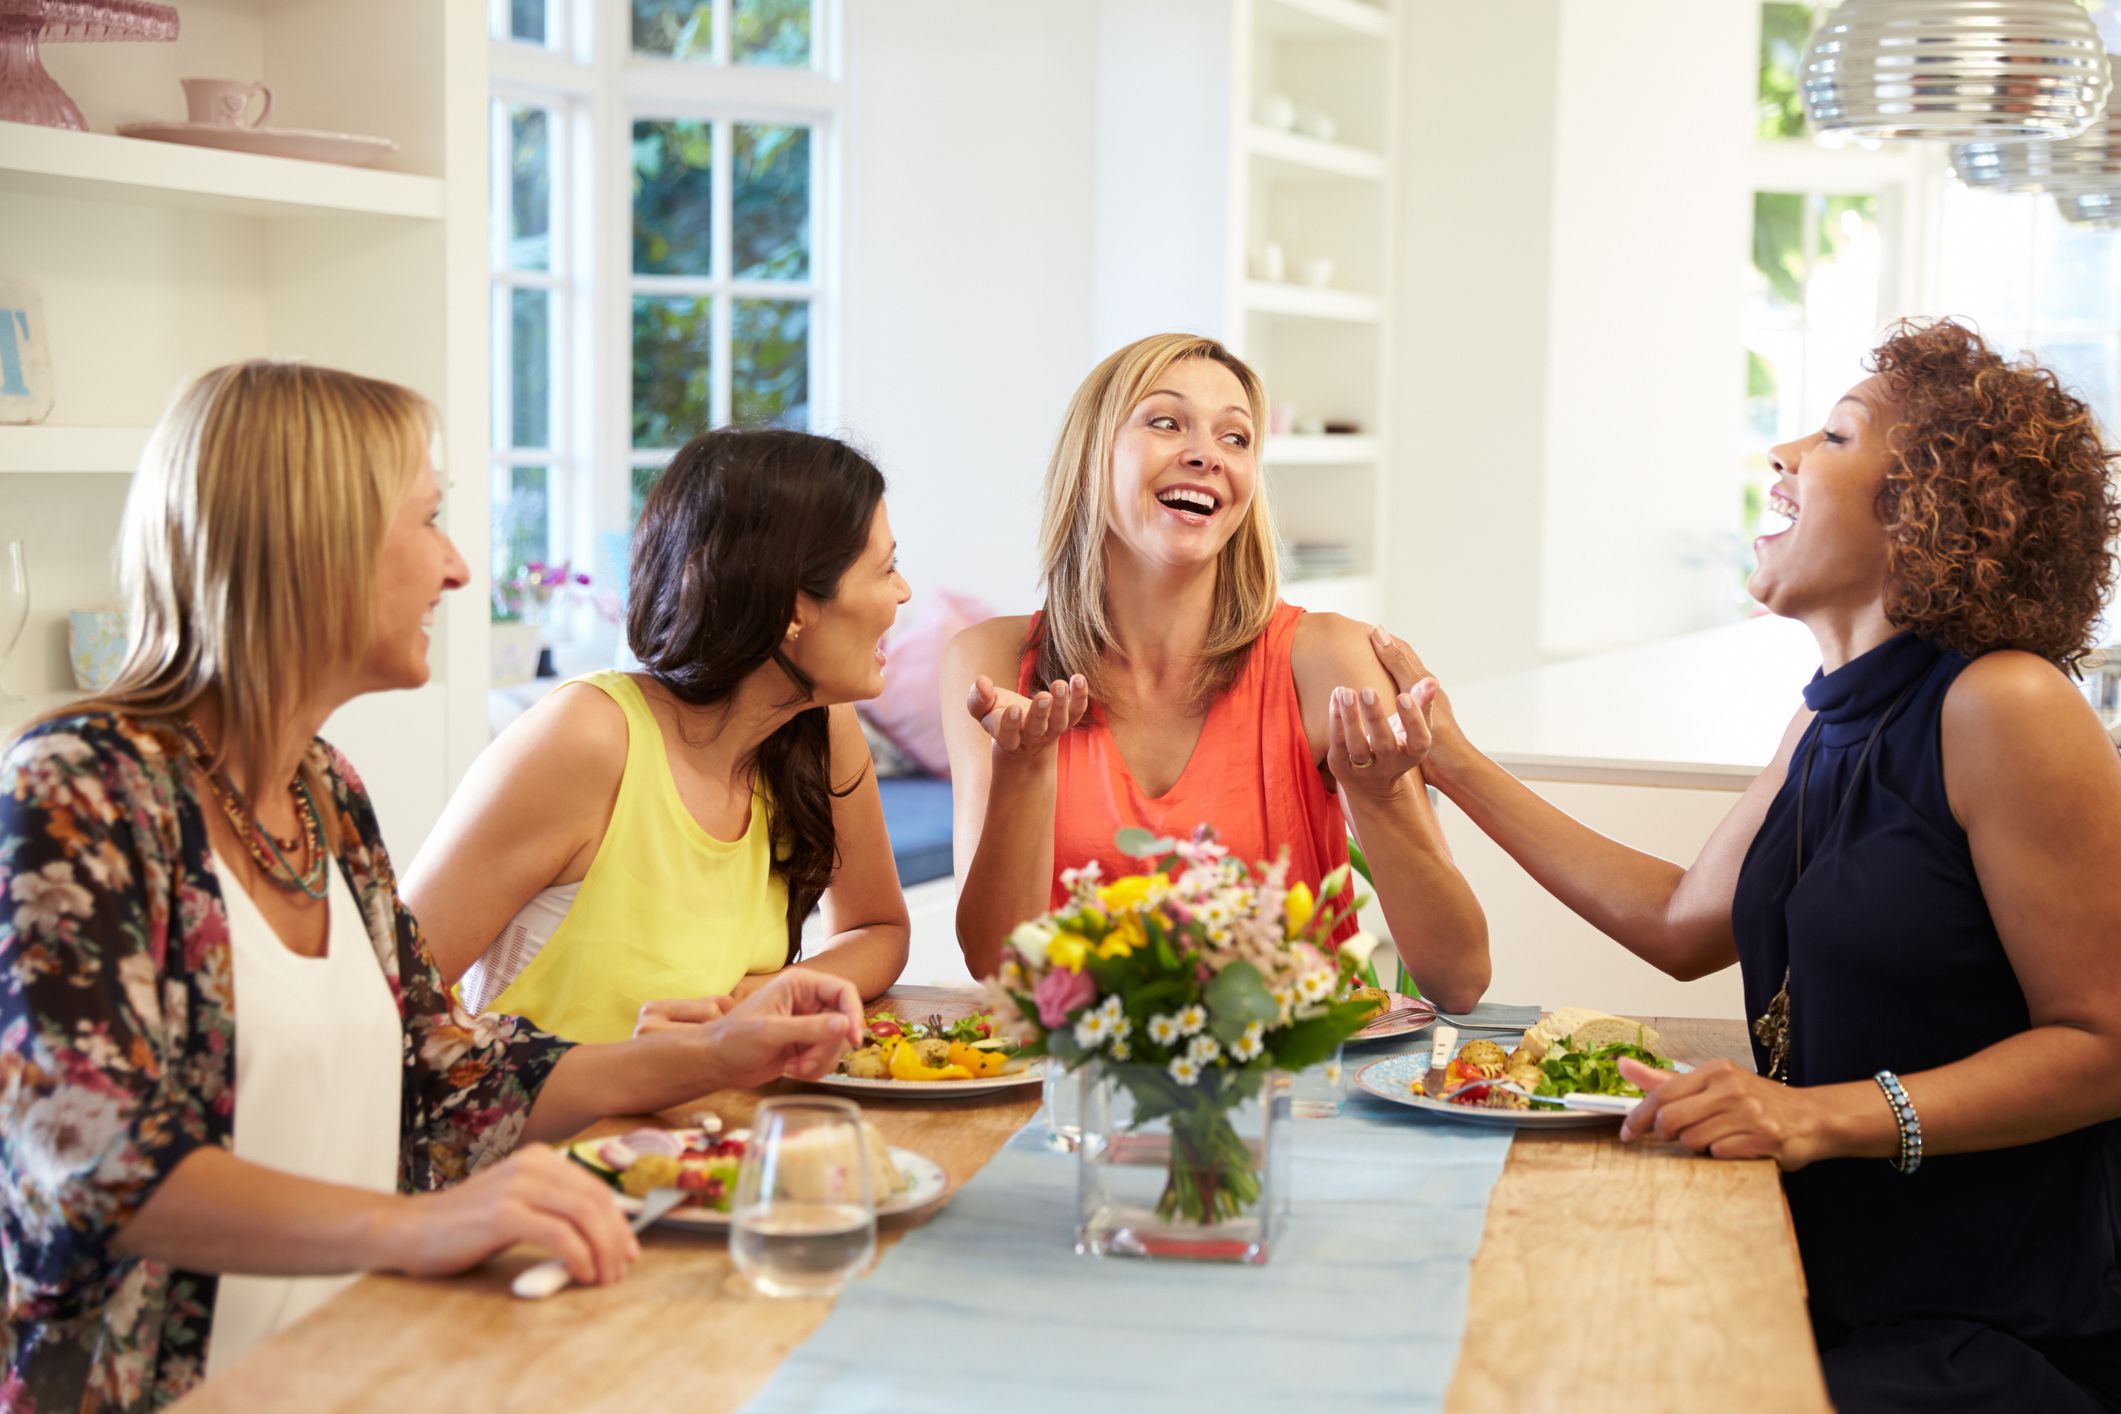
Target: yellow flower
{"points": [[1300, 906], [1068, 950], [1124, 938], [1125, 893]]}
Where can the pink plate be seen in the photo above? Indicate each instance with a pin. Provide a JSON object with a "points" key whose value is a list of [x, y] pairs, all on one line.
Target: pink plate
{"points": [[352, 149]]}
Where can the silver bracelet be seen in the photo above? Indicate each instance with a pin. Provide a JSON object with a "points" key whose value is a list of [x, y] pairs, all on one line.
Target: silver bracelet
{"points": [[1910, 1123]]}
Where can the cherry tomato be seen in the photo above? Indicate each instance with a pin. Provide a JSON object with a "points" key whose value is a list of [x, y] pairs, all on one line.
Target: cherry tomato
{"points": [[884, 1029]]}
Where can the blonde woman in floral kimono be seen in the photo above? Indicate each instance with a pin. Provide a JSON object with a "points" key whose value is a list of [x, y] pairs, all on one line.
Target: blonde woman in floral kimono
{"points": [[175, 1187]]}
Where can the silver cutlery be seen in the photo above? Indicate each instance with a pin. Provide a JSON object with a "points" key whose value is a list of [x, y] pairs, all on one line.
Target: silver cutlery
{"points": [[1594, 1104], [547, 1278]]}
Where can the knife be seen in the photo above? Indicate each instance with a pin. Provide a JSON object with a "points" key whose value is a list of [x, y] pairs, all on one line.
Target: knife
{"points": [[546, 1278], [1442, 1041]]}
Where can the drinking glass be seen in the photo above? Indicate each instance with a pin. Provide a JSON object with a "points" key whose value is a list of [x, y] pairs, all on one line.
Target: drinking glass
{"points": [[1064, 1107], [1319, 1091], [804, 1219], [14, 603]]}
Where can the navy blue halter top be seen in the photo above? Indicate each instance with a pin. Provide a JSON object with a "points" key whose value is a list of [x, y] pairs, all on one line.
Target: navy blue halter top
{"points": [[1894, 963]]}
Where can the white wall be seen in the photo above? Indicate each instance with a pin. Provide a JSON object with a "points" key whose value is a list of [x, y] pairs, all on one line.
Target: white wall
{"points": [[1650, 231], [969, 246], [1569, 306], [1470, 310]]}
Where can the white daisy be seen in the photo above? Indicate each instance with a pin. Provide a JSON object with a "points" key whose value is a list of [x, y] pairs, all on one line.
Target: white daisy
{"points": [[1183, 1070], [1091, 1029], [1112, 1011], [1119, 1049], [1163, 1029], [1251, 1043], [1313, 986], [1192, 1019], [1205, 1050]]}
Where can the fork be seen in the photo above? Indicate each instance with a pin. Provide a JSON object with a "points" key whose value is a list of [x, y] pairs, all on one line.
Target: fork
{"points": [[549, 1277], [1592, 1104]]}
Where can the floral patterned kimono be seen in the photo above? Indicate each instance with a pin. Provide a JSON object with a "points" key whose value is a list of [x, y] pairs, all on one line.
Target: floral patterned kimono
{"points": [[118, 1044]]}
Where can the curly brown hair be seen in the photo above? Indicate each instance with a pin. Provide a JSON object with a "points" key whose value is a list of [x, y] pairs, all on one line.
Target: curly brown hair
{"points": [[1999, 509]]}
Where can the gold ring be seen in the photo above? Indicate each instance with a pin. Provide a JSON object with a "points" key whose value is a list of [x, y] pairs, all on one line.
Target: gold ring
{"points": [[1362, 765]]}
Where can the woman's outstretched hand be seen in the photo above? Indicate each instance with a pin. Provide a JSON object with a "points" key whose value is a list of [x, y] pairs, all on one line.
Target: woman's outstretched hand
{"points": [[1027, 726], [1369, 748], [1447, 744]]}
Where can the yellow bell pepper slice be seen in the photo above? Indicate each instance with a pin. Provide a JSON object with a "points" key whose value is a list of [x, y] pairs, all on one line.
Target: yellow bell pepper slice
{"points": [[980, 1063], [906, 1064]]}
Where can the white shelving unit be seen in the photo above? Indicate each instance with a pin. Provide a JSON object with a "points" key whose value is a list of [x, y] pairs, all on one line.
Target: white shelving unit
{"points": [[1322, 349], [1320, 334], [156, 261]]}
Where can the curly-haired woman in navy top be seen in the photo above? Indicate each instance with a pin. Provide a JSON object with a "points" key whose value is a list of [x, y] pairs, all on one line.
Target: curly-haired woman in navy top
{"points": [[1921, 892]]}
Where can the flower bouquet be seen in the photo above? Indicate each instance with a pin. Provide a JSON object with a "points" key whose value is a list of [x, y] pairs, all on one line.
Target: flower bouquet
{"points": [[527, 595], [1184, 990]]}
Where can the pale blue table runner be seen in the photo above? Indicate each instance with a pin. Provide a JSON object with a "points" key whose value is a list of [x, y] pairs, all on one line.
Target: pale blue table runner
{"points": [[1361, 1306]]}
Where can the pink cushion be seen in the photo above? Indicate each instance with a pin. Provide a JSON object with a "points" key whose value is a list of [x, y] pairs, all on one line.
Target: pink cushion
{"points": [[909, 710]]}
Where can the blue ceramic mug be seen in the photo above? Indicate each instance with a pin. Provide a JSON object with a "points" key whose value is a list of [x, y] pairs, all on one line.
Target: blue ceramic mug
{"points": [[95, 641]]}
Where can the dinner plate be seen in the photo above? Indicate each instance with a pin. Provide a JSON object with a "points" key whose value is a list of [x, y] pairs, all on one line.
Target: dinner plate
{"points": [[350, 149], [1032, 1074], [1424, 1014], [926, 1183], [1388, 1079]]}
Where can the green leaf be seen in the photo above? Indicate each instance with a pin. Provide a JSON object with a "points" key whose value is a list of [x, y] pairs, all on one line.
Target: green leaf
{"points": [[1333, 883], [1361, 862], [1237, 996], [1138, 842]]}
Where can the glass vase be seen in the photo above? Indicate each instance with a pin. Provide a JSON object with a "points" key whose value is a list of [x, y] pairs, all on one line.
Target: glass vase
{"points": [[1191, 1173]]}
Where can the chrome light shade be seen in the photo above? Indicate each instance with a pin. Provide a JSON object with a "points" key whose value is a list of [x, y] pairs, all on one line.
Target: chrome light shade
{"points": [[2091, 209], [2076, 166], [1998, 70]]}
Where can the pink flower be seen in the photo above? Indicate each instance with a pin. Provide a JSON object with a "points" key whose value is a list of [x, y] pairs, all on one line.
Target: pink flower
{"points": [[1060, 992]]}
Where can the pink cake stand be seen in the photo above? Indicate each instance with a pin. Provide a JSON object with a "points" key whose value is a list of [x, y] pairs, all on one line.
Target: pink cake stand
{"points": [[27, 93]]}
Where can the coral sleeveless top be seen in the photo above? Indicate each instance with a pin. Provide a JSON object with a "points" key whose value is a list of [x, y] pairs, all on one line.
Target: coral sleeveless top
{"points": [[666, 910], [1251, 776]]}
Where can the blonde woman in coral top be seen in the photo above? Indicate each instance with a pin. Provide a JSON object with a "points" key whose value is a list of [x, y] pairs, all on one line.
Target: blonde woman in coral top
{"points": [[1165, 684]]}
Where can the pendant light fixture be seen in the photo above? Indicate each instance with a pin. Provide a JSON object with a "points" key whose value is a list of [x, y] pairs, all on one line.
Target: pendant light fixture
{"points": [[2076, 166], [1986, 70]]}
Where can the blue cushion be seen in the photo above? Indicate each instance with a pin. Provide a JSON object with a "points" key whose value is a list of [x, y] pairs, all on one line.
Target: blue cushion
{"points": [[917, 812]]}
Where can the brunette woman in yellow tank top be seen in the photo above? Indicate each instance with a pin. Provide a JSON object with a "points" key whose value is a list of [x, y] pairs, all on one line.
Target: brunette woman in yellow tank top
{"points": [[641, 848]]}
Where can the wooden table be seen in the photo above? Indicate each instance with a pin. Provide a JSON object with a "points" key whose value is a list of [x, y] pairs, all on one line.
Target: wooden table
{"points": [[1608, 1277]]}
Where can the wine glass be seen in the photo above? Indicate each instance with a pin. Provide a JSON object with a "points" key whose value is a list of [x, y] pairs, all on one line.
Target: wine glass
{"points": [[14, 603], [804, 1219]]}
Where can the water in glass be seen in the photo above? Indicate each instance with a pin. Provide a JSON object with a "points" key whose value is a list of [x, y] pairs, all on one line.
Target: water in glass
{"points": [[804, 1219]]}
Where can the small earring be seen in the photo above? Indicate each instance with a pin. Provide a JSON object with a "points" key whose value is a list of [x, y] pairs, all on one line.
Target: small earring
{"points": [[794, 633]]}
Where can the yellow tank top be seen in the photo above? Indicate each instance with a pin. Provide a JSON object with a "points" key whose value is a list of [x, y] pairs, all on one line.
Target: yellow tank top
{"points": [[666, 909]]}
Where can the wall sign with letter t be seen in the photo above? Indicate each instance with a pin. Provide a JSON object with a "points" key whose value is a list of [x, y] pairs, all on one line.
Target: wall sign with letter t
{"points": [[25, 355]]}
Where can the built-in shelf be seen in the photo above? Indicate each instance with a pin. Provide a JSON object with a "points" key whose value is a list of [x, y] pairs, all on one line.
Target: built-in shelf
{"points": [[101, 167], [1292, 156], [1305, 302], [1356, 595], [70, 449], [1329, 449], [1323, 19]]}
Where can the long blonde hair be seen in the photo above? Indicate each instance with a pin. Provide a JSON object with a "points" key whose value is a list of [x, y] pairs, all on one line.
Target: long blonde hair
{"points": [[250, 544], [1076, 630]]}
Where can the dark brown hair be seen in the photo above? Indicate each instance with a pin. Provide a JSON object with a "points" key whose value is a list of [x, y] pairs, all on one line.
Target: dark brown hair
{"points": [[1999, 508], [736, 526]]}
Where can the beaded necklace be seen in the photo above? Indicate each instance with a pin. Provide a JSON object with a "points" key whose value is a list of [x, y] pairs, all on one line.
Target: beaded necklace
{"points": [[265, 850]]}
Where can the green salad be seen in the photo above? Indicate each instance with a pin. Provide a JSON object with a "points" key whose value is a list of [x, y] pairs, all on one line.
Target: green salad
{"points": [[1567, 1072]]}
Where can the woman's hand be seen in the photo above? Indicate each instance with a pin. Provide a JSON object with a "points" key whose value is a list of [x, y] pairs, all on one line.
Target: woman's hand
{"points": [[534, 1196], [1025, 728], [675, 1012], [1448, 745], [1369, 750], [796, 1025], [1731, 1113]]}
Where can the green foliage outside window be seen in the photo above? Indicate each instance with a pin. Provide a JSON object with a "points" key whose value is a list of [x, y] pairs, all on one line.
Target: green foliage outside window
{"points": [[770, 32], [673, 198], [770, 202], [674, 29], [526, 20], [1785, 29], [673, 369]]}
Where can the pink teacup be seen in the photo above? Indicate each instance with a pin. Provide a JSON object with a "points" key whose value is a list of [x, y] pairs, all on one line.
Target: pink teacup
{"points": [[223, 103]]}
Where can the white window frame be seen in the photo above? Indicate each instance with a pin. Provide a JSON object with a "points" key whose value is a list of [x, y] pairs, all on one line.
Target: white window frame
{"points": [[587, 71]]}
